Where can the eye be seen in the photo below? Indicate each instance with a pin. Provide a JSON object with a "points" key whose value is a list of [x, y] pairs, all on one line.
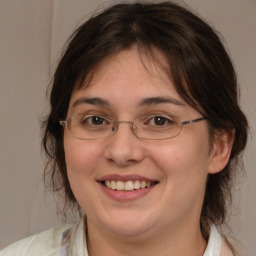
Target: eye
{"points": [[93, 120], [160, 121]]}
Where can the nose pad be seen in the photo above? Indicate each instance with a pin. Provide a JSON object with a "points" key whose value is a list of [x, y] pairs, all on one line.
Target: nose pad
{"points": [[123, 147], [133, 127]]}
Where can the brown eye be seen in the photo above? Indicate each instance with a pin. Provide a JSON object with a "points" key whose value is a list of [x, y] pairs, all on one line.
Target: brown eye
{"points": [[160, 121], [96, 120], [93, 120]]}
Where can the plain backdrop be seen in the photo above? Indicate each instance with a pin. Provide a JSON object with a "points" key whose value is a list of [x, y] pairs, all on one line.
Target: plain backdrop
{"points": [[32, 34]]}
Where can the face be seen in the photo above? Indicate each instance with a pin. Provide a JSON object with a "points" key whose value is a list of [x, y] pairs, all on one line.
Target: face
{"points": [[175, 169]]}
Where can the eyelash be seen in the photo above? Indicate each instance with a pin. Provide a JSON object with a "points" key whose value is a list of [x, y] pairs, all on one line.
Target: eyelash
{"points": [[163, 119], [83, 120]]}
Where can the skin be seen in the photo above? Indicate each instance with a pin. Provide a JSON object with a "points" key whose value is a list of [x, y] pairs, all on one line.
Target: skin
{"points": [[166, 220]]}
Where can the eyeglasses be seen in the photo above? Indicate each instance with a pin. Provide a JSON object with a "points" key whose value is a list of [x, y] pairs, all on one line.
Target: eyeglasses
{"points": [[149, 127]]}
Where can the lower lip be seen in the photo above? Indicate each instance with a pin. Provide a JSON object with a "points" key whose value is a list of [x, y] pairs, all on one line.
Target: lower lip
{"points": [[124, 196]]}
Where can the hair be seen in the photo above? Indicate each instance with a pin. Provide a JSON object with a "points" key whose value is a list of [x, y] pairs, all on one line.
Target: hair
{"points": [[198, 65]]}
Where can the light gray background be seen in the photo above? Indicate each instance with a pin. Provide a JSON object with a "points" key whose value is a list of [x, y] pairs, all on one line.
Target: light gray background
{"points": [[32, 33]]}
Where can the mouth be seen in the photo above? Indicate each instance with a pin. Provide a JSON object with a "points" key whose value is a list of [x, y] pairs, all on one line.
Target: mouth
{"points": [[129, 185], [126, 188]]}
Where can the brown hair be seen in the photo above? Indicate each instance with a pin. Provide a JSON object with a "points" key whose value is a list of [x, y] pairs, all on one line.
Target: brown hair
{"points": [[198, 64]]}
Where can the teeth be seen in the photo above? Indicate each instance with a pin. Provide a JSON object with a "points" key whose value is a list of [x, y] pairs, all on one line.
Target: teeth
{"points": [[143, 184], [119, 185], [113, 184], [128, 185], [148, 184], [108, 183], [136, 184]]}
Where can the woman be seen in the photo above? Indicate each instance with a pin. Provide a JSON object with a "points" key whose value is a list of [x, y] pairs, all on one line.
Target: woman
{"points": [[144, 136]]}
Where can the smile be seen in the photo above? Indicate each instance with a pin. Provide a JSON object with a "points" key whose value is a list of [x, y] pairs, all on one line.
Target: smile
{"points": [[127, 185], [125, 188]]}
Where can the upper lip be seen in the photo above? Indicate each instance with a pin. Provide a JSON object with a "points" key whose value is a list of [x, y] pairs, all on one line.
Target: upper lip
{"points": [[124, 178]]}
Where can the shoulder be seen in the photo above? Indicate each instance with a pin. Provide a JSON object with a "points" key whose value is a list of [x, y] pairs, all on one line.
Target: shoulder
{"points": [[46, 243]]}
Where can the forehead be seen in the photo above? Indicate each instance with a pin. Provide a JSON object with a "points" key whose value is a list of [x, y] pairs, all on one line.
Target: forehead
{"points": [[127, 85], [129, 70]]}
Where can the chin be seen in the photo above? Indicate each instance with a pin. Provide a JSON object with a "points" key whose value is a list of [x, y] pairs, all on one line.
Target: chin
{"points": [[132, 232], [127, 225]]}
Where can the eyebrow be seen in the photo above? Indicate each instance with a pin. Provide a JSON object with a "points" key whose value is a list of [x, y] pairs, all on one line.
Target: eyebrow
{"points": [[160, 100], [145, 102], [92, 101]]}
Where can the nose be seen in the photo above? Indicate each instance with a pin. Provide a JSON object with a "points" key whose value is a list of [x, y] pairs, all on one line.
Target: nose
{"points": [[124, 148]]}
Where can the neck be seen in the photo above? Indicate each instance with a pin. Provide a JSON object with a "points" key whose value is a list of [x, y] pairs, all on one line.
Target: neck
{"points": [[182, 241]]}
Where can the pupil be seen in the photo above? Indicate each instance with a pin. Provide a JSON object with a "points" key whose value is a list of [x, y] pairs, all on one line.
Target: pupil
{"points": [[159, 120], [97, 120]]}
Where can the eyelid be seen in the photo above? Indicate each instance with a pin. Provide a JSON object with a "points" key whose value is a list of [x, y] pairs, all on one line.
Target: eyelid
{"points": [[93, 113], [89, 118], [106, 118], [165, 115], [88, 112], [155, 112]]}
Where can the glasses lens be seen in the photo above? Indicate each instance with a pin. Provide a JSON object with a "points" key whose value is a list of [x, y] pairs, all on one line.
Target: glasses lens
{"points": [[152, 127], [157, 127], [88, 127]]}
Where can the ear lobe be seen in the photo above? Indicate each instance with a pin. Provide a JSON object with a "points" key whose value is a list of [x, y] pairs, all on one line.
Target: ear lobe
{"points": [[220, 153]]}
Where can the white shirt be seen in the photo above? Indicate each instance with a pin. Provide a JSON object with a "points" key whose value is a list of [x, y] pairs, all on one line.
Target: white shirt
{"points": [[70, 240]]}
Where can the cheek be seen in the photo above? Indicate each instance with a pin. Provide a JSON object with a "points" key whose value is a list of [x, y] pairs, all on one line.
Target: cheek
{"points": [[81, 159], [183, 162], [184, 169]]}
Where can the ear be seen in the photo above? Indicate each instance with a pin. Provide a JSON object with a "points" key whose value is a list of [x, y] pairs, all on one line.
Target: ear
{"points": [[221, 150]]}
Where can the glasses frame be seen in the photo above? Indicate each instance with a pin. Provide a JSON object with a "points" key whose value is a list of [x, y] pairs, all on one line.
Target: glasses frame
{"points": [[133, 128]]}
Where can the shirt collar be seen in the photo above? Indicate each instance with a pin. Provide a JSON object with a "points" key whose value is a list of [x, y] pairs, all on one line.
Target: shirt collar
{"points": [[74, 241], [214, 243]]}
